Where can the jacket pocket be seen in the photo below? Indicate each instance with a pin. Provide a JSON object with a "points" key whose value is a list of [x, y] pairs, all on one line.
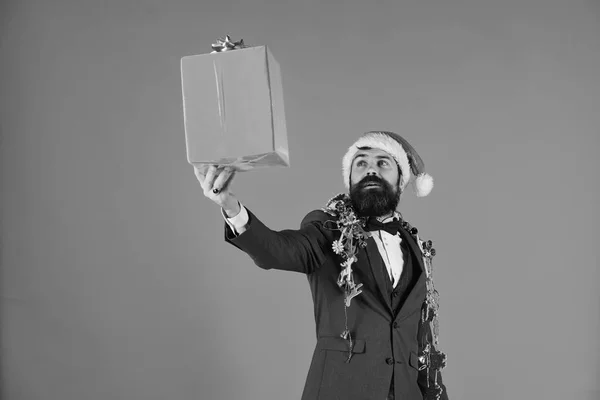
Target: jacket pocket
{"points": [[339, 344], [339, 377], [413, 360]]}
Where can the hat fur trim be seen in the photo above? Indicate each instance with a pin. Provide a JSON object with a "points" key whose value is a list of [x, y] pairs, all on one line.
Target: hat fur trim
{"points": [[423, 185], [381, 141]]}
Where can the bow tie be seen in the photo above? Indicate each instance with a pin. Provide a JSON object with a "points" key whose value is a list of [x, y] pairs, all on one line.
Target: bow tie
{"points": [[392, 227]]}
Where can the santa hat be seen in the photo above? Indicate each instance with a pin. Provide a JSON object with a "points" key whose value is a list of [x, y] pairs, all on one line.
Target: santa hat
{"points": [[411, 165]]}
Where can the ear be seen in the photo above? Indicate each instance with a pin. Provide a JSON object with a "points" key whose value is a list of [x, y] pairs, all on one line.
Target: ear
{"points": [[399, 174]]}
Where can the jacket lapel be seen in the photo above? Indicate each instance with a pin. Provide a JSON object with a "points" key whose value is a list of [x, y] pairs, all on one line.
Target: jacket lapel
{"points": [[407, 237], [417, 294], [377, 267]]}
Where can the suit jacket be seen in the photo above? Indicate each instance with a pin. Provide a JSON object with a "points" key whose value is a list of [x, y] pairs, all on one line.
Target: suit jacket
{"points": [[386, 344]]}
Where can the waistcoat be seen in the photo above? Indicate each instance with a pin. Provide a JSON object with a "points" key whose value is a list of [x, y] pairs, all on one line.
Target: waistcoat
{"points": [[408, 278]]}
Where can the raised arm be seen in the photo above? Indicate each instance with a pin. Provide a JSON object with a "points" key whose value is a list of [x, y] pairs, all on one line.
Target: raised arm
{"points": [[302, 250]]}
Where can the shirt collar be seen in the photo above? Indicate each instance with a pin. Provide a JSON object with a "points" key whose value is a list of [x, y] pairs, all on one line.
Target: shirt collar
{"points": [[396, 214]]}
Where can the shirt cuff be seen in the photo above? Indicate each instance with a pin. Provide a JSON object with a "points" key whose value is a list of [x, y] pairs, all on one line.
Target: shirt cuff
{"points": [[239, 222]]}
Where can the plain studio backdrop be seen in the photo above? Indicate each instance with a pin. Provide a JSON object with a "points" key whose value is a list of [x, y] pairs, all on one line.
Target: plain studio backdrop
{"points": [[116, 280]]}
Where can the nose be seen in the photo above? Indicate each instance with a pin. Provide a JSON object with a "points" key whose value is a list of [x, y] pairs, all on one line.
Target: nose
{"points": [[371, 171]]}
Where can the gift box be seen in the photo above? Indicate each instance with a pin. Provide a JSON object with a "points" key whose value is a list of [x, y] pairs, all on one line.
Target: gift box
{"points": [[233, 109]]}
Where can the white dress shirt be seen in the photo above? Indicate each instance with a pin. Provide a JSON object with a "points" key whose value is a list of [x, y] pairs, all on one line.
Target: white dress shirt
{"points": [[388, 245]]}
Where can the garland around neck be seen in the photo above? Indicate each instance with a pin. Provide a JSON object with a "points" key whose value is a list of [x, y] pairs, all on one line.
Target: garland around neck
{"points": [[353, 237]]}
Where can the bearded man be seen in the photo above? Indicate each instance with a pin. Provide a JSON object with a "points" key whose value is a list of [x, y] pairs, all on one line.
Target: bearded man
{"points": [[369, 273]]}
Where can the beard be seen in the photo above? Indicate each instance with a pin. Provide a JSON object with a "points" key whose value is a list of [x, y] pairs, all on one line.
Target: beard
{"points": [[374, 201]]}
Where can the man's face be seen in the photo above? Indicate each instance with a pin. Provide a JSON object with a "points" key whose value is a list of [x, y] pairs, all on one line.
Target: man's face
{"points": [[374, 183]]}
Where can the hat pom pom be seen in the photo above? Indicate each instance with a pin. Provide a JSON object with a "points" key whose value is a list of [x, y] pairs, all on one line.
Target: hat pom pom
{"points": [[423, 185]]}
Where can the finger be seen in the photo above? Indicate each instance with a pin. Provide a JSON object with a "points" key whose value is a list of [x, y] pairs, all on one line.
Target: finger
{"points": [[201, 177], [229, 180], [211, 175], [201, 168], [223, 178]]}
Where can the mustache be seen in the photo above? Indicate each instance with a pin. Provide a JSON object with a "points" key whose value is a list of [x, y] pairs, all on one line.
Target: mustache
{"points": [[371, 179]]}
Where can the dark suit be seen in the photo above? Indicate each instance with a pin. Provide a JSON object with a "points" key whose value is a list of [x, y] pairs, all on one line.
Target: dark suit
{"points": [[386, 340]]}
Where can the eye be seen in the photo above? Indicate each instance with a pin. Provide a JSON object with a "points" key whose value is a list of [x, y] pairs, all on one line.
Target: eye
{"points": [[360, 163], [384, 163]]}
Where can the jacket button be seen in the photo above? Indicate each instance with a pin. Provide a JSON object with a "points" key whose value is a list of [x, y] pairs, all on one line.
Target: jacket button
{"points": [[396, 325], [389, 361]]}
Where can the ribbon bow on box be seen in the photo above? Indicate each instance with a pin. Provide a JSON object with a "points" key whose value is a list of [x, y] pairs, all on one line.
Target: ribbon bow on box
{"points": [[225, 44]]}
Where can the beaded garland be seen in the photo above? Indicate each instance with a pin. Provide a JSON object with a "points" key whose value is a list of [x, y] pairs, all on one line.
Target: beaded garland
{"points": [[352, 238], [431, 359]]}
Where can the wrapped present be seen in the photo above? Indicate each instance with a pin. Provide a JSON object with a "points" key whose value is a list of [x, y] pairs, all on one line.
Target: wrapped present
{"points": [[233, 107]]}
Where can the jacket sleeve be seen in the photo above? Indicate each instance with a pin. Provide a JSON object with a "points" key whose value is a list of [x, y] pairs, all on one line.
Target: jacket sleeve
{"points": [[303, 250], [430, 386]]}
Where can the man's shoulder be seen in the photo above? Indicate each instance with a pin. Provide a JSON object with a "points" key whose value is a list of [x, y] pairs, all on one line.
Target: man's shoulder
{"points": [[330, 213], [316, 216]]}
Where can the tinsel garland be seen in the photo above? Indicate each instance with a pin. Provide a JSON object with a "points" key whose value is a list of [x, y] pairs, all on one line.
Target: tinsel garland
{"points": [[352, 238]]}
